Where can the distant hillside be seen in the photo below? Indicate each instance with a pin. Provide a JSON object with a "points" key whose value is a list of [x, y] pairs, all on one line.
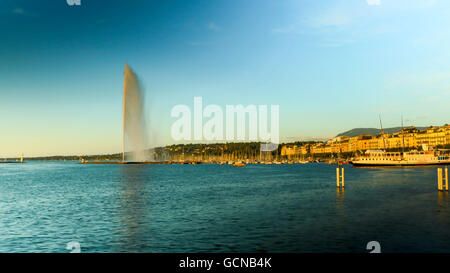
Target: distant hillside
{"points": [[371, 131]]}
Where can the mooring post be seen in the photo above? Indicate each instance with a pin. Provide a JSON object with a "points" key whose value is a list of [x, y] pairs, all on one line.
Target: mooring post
{"points": [[337, 177], [439, 174], [340, 177], [446, 178]]}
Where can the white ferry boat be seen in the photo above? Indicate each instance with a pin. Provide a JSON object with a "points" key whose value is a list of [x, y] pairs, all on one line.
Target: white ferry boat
{"points": [[412, 158]]}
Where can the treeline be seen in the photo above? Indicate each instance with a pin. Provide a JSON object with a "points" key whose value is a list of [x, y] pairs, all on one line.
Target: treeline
{"points": [[214, 152], [111, 157], [194, 152], [218, 151]]}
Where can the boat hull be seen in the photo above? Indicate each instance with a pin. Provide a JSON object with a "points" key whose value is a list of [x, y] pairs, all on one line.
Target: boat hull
{"points": [[398, 164]]}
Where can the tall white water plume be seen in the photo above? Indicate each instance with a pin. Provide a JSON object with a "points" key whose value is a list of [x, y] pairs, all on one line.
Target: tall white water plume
{"points": [[134, 138]]}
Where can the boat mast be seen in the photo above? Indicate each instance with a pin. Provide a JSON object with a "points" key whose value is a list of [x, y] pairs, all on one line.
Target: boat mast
{"points": [[382, 133], [403, 138]]}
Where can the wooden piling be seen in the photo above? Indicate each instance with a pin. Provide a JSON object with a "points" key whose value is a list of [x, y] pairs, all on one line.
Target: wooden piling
{"points": [[442, 179], [446, 178], [337, 177], [340, 177]]}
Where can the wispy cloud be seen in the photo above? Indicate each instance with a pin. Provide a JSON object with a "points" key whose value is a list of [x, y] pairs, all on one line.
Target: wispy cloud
{"points": [[373, 2], [212, 26], [429, 89], [331, 18], [346, 22]]}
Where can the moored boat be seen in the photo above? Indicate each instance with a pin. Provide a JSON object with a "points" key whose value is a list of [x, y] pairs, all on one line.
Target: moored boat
{"points": [[412, 158], [239, 164]]}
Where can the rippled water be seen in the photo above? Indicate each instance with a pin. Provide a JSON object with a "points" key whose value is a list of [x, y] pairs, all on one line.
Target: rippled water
{"points": [[211, 208]]}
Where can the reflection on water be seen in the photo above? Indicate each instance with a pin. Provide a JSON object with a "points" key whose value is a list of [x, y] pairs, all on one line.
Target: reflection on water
{"points": [[340, 201], [442, 219], [133, 214], [211, 208], [340, 194], [442, 198]]}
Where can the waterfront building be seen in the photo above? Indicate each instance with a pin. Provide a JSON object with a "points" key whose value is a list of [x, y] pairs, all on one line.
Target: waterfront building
{"points": [[409, 137]]}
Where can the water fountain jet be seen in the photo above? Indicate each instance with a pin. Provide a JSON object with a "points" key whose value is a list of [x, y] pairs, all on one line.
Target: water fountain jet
{"points": [[134, 127], [134, 134]]}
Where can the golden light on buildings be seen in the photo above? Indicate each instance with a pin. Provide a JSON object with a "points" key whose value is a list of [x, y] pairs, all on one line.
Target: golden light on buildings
{"points": [[432, 136]]}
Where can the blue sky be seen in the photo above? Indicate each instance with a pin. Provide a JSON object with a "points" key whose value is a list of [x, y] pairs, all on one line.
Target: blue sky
{"points": [[330, 65]]}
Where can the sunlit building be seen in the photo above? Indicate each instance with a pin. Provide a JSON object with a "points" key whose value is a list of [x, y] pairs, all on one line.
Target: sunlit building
{"points": [[409, 137]]}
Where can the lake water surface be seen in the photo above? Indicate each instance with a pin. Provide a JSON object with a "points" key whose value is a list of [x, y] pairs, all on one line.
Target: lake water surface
{"points": [[212, 208]]}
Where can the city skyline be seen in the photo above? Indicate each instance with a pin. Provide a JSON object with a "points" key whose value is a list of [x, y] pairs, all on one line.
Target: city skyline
{"points": [[330, 66]]}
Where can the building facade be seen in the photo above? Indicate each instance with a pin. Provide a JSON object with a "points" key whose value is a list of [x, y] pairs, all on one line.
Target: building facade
{"points": [[408, 137]]}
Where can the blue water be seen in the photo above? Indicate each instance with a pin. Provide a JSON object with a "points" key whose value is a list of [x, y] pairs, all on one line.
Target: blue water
{"points": [[212, 208]]}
